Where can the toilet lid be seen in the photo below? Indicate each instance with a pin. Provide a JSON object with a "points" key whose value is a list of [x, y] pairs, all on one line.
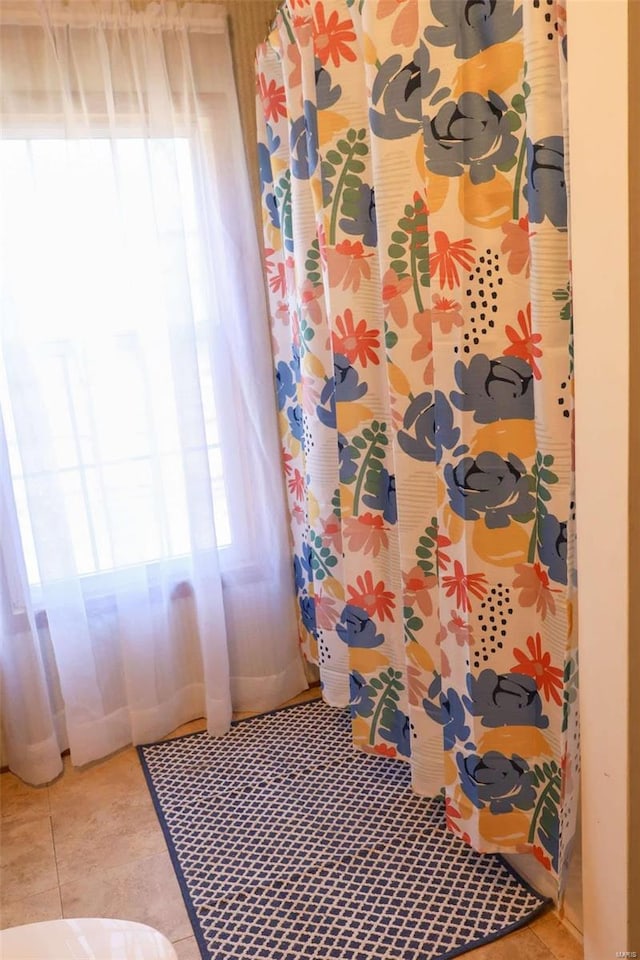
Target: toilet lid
{"points": [[85, 939]]}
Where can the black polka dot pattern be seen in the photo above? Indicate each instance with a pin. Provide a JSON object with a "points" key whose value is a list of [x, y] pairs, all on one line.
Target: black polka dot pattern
{"points": [[495, 612], [481, 294]]}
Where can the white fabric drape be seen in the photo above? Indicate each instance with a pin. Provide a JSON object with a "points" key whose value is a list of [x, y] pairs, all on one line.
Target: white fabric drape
{"points": [[136, 389]]}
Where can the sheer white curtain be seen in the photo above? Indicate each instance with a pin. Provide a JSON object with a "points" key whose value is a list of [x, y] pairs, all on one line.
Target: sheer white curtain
{"points": [[145, 567]]}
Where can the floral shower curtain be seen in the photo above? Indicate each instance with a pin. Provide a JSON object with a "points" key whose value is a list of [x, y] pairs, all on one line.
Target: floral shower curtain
{"points": [[413, 160]]}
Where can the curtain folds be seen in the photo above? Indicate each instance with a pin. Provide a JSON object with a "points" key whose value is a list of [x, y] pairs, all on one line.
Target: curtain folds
{"points": [[414, 186], [150, 582]]}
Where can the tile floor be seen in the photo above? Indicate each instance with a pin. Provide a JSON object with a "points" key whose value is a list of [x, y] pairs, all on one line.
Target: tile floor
{"points": [[89, 844]]}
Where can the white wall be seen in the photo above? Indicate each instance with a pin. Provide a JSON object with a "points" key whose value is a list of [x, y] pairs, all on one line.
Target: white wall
{"points": [[598, 79]]}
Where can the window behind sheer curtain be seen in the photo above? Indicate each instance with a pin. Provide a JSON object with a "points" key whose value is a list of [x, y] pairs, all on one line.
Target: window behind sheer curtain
{"points": [[101, 363]]}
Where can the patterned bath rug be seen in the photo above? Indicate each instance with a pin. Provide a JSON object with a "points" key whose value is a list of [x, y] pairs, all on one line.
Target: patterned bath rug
{"points": [[290, 845]]}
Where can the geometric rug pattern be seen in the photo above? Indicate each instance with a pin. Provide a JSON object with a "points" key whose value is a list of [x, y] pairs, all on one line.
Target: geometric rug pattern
{"points": [[289, 844]]}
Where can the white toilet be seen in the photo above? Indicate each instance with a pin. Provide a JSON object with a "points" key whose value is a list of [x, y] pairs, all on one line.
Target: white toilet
{"points": [[85, 939]]}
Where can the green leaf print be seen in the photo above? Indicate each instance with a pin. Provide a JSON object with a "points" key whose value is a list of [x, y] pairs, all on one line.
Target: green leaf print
{"points": [[341, 189], [427, 548], [388, 686], [409, 249], [374, 440], [540, 478], [283, 197]]}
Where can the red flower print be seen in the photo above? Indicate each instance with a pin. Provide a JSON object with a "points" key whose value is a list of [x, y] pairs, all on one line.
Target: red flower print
{"points": [[273, 99], [525, 346], [372, 597], [322, 242], [541, 857], [355, 342], [298, 514], [533, 583], [286, 460], [366, 532], [326, 611], [332, 532], [392, 293], [447, 255], [443, 558], [268, 253], [405, 28], [446, 313], [416, 689], [278, 283], [460, 630], [384, 751], [463, 584], [423, 349], [348, 265], [538, 665], [296, 484], [310, 297], [417, 589], [516, 244], [332, 37], [452, 815]]}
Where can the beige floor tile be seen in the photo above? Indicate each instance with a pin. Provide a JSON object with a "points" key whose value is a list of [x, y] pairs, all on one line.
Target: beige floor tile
{"points": [[19, 801], [27, 860], [34, 909], [94, 787], [557, 938], [187, 949], [143, 890], [124, 829], [521, 945]]}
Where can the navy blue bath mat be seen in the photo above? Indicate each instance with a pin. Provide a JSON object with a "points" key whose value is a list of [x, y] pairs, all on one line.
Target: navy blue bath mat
{"points": [[290, 845]]}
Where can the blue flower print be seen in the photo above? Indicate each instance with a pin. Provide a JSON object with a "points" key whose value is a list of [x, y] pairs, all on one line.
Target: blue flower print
{"points": [[298, 574], [295, 416], [382, 495], [357, 629], [348, 386], [508, 699], [490, 485], [450, 713], [304, 142], [360, 701], [398, 92], [395, 727], [552, 547], [496, 781], [272, 208], [264, 161], [326, 409], [359, 209], [430, 418], [326, 94], [285, 384], [546, 189], [348, 466], [500, 389], [473, 25], [307, 556], [308, 613]]}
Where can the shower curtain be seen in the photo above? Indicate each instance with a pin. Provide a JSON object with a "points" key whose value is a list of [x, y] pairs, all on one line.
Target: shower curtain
{"points": [[413, 162]]}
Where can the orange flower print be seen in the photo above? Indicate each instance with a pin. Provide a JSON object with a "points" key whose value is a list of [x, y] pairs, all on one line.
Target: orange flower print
{"points": [[278, 282], [298, 514], [538, 665], [332, 37], [348, 265], [416, 689], [326, 611], [423, 350], [541, 857], [296, 484], [372, 597], [383, 750], [447, 255], [322, 242], [332, 533], [524, 345], [366, 532], [516, 245], [392, 293], [405, 28], [273, 99], [533, 583], [452, 815], [446, 313], [462, 584], [417, 589], [355, 342]]}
